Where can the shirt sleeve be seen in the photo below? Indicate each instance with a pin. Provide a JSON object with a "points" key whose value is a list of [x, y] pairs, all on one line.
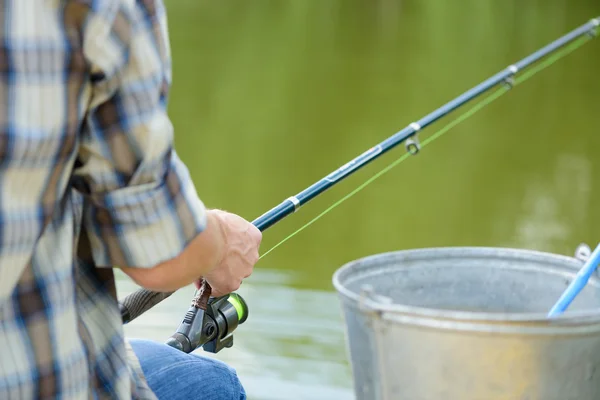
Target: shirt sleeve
{"points": [[141, 204]]}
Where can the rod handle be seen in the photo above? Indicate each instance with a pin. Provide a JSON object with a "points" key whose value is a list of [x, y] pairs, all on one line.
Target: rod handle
{"points": [[139, 302]]}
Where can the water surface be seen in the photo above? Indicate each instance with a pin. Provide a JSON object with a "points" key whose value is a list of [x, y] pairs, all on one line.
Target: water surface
{"points": [[271, 96]]}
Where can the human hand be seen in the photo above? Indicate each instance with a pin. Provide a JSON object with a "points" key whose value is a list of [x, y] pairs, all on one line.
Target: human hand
{"points": [[240, 254]]}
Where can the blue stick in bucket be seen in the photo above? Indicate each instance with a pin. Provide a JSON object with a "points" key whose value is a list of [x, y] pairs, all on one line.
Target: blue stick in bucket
{"points": [[578, 283]]}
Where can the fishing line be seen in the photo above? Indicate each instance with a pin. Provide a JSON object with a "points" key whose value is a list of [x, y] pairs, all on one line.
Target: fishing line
{"points": [[193, 324], [478, 106]]}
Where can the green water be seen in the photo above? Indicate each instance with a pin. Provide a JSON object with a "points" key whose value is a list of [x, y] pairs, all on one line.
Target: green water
{"points": [[271, 96]]}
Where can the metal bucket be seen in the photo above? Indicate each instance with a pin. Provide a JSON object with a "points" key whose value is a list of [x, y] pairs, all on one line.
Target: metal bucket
{"points": [[469, 324]]}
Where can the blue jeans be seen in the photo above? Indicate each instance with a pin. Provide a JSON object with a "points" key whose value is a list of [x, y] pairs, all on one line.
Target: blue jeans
{"points": [[175, 375]]}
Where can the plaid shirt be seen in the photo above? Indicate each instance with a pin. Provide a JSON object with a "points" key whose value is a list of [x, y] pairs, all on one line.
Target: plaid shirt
{"points": [[88, 180]]}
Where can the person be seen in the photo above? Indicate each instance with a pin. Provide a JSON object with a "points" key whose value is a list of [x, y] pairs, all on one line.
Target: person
{"points": [[89, 182]]}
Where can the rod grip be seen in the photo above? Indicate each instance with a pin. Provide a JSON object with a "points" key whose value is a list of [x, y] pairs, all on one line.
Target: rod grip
{"points": [[139, 302]]}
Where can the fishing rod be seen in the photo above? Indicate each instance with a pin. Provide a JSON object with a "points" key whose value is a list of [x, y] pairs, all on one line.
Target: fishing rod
{"points": [[210, 322], [577, 284]]}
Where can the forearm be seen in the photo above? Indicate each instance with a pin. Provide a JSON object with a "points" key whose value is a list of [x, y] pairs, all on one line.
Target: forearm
{"points": [[199, 257]]}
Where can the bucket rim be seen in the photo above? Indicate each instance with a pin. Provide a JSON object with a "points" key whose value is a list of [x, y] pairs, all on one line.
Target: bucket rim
{"points": [[571, 317]]}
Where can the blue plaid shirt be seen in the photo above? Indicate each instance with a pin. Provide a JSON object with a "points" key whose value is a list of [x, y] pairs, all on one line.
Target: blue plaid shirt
{"points": [[88, 180]]}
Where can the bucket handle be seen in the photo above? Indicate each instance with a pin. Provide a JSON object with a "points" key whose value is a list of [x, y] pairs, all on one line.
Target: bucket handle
{"points": [[583, 252], [368, 300]]}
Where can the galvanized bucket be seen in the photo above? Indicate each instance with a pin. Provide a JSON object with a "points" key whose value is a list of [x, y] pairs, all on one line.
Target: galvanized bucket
{"points": [[469, 324]]}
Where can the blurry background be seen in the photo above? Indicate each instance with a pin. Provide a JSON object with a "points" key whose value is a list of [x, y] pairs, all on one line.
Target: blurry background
{"points": [[270, 96]]}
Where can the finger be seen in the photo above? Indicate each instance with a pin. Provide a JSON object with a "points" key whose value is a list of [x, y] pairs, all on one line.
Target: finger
{"points": [[226, 287], [219, 293]]}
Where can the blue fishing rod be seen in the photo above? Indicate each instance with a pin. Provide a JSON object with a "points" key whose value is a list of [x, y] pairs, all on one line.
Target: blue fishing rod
{"points": [[210, 322], [577, 284]]}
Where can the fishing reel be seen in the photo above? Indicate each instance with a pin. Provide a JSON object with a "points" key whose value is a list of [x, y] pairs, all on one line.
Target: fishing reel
{"points": [[209, 323]]}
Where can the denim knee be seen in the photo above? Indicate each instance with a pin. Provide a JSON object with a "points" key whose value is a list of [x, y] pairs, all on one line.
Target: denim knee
{"points": [[174, 375], [221, 382]]}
